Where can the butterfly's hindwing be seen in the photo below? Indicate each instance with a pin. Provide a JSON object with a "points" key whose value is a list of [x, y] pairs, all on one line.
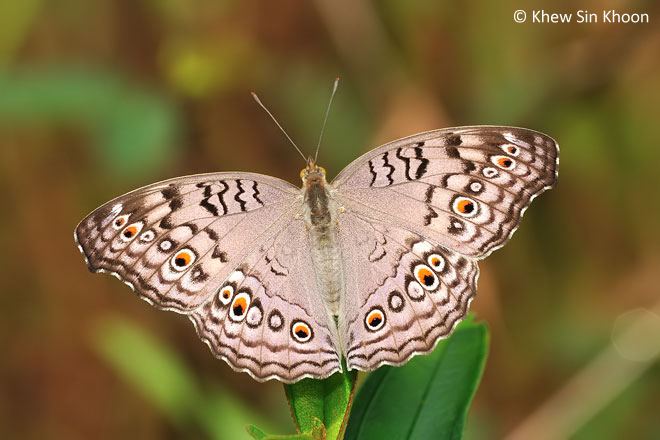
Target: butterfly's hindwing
{"points": [[410, 297], [282, 329]]}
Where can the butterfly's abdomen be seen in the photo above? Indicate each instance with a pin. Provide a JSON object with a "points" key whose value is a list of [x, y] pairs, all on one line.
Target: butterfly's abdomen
{"points": [[320, 217]]}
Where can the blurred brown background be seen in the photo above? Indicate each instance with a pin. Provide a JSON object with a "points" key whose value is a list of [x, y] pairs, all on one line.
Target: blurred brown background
{"points": [[98, 98]]}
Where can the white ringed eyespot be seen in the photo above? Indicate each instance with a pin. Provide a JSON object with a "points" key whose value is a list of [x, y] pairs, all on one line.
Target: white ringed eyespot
{"points": [[426, 277], [436, 261], [131, 231], [275, 320], [510, 149], [375, 319], [239, 306], [120, 221], [183, 259], [225, 294], [395, 301], [301, 331], [254, 315], [147, 236], [415, 290], [465, 206], [476, 186], [504, 162], [490, 172]]}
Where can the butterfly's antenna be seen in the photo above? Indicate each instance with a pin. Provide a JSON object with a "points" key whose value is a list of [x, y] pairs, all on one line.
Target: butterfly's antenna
{"points": [[325, 118], [256, 98]]}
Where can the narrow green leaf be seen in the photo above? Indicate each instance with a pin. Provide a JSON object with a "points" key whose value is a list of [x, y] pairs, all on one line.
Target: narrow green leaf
{"points": [[316, 432], [328, 400], [160, 376], [427, 398], [150, 367]]}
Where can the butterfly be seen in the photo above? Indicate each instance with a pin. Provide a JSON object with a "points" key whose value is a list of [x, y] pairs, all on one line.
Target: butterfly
{"points": [[375, 267]]}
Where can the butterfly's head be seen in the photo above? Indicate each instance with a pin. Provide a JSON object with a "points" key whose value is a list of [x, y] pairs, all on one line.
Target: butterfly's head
{"points": [[312, 172]]}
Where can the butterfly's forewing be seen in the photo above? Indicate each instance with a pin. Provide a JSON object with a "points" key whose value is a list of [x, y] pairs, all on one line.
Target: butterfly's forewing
{"points": [[465, 187], [180, 242], [448, 196]]}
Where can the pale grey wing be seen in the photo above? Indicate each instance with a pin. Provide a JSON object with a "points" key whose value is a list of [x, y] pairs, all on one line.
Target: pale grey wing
{"points": [[405, 292], [210, 221], [279, 337], [466, 188], [177, 243]]}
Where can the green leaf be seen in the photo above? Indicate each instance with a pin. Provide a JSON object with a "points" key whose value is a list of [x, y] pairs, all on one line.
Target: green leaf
{"points": [[316, 432], [161, 377], [427, 398], [150, 367], [328, 400]]}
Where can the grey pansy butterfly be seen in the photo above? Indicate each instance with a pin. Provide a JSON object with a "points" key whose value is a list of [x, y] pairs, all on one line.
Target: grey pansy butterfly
{"points": [[375, 267]]}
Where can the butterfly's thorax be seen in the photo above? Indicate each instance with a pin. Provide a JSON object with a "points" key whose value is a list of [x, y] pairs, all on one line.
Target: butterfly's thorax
{"points": [[320, 214]]}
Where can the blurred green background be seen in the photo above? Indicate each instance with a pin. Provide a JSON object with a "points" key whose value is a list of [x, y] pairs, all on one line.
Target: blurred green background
{"points": [[98, 98]]}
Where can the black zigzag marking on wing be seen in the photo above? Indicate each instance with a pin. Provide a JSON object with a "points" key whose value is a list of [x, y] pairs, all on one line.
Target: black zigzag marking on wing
{"points": [[217, 253], [386, 163], [373, 173], [421, 170], [211, 233], [430, 216], [277, 272], [428, 196], [210, 207], [237, 196], [405, 160], [206, 204], [256, 193], [221, 196]]}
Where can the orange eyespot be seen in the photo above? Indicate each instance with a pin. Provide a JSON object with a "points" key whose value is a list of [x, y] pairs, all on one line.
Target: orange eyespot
{"points": [[225, 294], [436, 262], [301, 331], [426, 277], [504, 162], [131, 231], [465, 207], [510, 149], [120, 221], [239, 306], [183, 259], [375, 319]]}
